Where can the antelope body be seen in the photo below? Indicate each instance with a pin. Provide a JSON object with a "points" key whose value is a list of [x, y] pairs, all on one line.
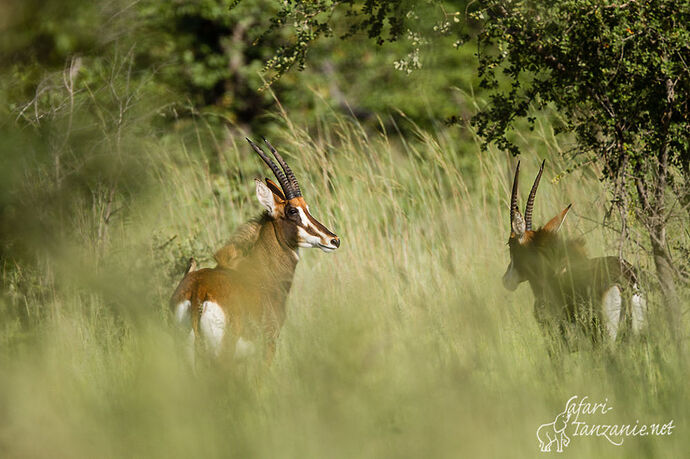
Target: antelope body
{"points": [[600, 295], [242, 299]]}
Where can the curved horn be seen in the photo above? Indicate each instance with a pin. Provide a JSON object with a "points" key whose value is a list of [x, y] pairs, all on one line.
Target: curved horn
{"points": [[530, 200], [514, 196], [284, 183], [290, 175]]}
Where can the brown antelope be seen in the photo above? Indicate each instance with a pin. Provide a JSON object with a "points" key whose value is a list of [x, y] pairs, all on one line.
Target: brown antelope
{"points": [[244, 297], [598, 294]]}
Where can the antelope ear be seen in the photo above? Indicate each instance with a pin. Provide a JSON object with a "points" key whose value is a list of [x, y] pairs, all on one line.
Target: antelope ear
{"points": [[555, 223], [268, 198], [275, 188]]}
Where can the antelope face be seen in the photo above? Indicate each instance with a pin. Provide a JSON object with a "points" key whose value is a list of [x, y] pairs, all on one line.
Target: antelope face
{"points": [[525, 253], [516, 273], [310, 232], [297, 225], [286, 205]]}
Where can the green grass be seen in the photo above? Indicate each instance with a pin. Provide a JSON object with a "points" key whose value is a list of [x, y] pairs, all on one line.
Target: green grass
{"points": [[402, 343]]}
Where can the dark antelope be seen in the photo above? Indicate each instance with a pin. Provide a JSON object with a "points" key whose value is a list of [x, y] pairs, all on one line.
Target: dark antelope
{"points": [[244, 297], [599, 294]]}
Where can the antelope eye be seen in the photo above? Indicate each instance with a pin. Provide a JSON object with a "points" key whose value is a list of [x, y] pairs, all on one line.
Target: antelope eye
{"points": [[292, 211]]}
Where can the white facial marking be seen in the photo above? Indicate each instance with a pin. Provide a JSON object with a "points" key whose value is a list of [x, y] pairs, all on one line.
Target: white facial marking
{"points": [[244, 348], [307, 240], [639, 310], [611, 303], [183, 314], [212, 326]]}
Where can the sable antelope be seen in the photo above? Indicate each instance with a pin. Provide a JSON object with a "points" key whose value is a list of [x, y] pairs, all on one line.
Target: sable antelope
{"points": [[243, 298], [599, 294]]}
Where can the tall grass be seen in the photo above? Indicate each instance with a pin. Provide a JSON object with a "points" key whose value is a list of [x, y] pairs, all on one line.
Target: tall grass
{"points": [[402, 343]]}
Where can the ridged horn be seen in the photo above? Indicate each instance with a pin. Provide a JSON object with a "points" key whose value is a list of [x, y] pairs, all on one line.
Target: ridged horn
{"points": [[282, 180], [288, 172], [530, 200], [514, 196]]}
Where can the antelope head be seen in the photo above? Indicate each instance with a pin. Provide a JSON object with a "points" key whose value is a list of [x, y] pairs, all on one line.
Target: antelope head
{"points": [[286, 206], [528, 248]]}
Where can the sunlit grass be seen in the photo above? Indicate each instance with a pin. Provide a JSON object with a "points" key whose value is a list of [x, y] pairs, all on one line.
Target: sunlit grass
{"points": [[402, 343]]}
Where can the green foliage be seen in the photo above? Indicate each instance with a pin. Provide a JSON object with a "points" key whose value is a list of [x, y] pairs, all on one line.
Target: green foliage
{"points": [[391, 47], [209, 58], [618, 73], [205, 51], [40, 38], [224, 55], [308, 21], [78, 143]]}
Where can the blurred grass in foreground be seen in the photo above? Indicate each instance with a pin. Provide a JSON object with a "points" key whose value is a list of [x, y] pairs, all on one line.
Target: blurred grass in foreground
{"points": [[402, 343]]}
